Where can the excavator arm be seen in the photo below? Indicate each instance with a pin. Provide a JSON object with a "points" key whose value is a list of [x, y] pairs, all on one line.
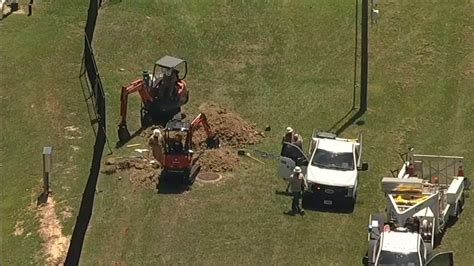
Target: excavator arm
{"points": [[136, 86], [212, 140]]}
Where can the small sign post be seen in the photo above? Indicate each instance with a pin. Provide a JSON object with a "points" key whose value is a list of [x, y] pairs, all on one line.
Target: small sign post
{"points": [[47, 166]]}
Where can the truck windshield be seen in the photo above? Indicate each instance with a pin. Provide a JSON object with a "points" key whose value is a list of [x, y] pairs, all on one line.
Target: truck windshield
{"points": [[387, 258], [331, 160]]}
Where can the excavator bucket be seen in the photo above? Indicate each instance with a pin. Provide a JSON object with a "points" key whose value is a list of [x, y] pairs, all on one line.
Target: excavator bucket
{"points": [[123, 133], [213, 142]]}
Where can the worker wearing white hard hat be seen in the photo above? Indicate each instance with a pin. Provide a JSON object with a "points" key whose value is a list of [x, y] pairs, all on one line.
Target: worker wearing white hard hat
{"points": [[156, 143], [298, 185], [292, 137]]}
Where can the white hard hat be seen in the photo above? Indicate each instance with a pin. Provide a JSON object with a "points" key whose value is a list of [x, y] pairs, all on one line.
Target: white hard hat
{"points": [[297, 169], [289, 130], [156, 133]]}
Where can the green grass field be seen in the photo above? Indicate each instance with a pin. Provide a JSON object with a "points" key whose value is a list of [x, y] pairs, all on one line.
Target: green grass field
{"points": [[275, 62]]}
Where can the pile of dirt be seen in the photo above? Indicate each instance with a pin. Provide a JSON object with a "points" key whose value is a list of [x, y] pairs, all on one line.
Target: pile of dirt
{"points": [[140, 170], [218, 160], [230, 127]]}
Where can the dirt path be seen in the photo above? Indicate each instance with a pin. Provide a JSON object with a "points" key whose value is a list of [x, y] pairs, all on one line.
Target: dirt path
{"points": [[55, 243]]}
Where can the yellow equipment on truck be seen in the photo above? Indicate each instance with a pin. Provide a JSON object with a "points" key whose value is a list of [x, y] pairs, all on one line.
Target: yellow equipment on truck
{"points": [[428, 191]]}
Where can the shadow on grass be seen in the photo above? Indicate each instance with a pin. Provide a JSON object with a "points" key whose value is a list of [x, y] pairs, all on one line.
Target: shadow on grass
{"points": [[42, 199], [171, 187], [175, 183], [282, 193], [350, 120], [120, 144], [4, 16], [451, 222], [318, 205]]}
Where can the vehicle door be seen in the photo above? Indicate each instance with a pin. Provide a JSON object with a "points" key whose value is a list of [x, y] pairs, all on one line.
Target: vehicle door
{"points": [[442, 259], [313, 143], [358, 150], [361, 166], [290, 157]]}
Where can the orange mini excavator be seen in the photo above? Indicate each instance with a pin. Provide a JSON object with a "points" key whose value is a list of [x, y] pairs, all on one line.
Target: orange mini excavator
{"points": [[179, 165], [162, 94]]}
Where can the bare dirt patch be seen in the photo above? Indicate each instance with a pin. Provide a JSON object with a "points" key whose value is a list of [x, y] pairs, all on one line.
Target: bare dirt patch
{"points": [[55, 243], [139, 170], [66, 213], [19, 228], [72, 132]]}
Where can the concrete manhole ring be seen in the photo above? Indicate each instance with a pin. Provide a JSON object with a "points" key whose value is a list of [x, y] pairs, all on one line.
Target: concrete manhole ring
{"points": [[209, 177]]}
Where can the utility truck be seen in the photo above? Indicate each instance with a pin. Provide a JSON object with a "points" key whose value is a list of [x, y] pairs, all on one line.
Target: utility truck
{"points": [[422, 199], [331, 167]]}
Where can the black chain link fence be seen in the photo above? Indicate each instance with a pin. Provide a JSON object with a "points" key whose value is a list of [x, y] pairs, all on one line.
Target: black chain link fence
{"points": [[95, 98]]}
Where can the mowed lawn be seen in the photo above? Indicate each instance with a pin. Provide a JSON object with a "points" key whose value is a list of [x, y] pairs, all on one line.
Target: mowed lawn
{"points": [[278, 63], [40, 99]]}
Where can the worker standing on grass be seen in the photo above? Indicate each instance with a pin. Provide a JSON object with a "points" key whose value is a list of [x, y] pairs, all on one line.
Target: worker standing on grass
{"points": [[156, 144], [298, 185], [292, 137]]}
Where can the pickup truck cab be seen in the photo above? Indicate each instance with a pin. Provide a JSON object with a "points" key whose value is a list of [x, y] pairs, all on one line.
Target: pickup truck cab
{"points": [[402, 247], [332, 168]]}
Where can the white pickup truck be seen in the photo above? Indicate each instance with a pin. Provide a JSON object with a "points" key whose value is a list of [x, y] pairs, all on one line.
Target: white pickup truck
{"points": [[331, 170]]}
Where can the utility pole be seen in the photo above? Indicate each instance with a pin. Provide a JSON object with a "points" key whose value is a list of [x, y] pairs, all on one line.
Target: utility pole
{"points": [[364, 60]]}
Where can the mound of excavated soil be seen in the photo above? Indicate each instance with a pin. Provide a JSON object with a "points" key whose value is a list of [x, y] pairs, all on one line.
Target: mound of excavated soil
{"points": [[230, 127], [139, 170], [218, 160]]}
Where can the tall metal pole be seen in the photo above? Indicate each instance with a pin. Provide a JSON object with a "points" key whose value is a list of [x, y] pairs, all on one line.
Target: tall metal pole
{"points": [[356, 52], [364, 60]]}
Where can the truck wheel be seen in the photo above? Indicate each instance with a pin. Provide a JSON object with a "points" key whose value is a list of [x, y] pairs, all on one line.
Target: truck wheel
{"points": [[353, 200]]}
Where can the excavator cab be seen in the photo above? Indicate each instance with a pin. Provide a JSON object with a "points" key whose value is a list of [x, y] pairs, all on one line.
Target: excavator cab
{"points": [[170, 66], [162, 94], [167, 88]]}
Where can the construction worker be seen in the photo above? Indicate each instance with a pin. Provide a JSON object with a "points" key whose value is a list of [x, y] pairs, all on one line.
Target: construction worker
{"points": [[177, 144], [298, 185], [292, 137], [156, 143]]}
